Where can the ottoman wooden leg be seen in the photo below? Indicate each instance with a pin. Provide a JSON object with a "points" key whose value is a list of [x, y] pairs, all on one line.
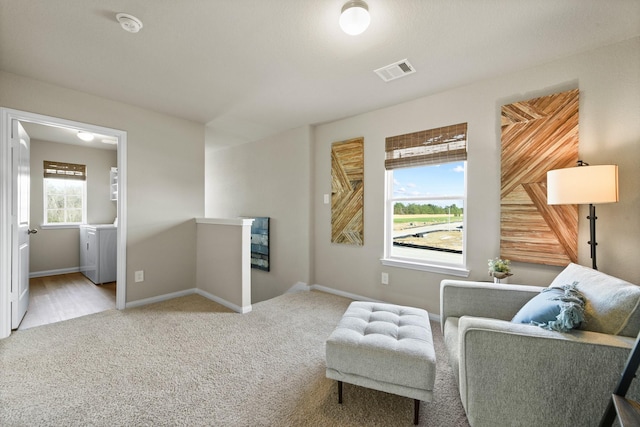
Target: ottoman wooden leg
{"points": [[339, 391], [416, 411]]}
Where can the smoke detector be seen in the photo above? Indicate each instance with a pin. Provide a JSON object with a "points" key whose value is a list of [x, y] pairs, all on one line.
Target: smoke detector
{"points": [[129, 22], [395, 70]]}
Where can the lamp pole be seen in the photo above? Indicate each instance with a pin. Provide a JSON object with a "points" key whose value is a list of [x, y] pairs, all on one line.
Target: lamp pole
{"points": [[592, 233]]}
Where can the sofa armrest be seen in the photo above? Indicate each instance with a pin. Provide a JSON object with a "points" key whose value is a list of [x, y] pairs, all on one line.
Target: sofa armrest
{"points": [[483, 299], [525, 375]]}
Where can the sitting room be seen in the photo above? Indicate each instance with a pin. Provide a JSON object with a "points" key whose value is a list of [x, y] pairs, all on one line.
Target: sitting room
{"points": [[467, 172]]}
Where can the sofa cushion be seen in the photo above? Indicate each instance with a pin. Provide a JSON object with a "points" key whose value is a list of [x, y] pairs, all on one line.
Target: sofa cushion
{"points": [[555, 308], [611, 304], [452, 344]]}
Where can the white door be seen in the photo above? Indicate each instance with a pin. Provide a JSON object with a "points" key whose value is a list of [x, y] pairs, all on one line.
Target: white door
{"points": [[20, 225]]}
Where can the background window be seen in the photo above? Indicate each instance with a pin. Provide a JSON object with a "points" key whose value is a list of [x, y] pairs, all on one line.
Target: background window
{"points": [[64, 189], [427, 213], [426, 196]]}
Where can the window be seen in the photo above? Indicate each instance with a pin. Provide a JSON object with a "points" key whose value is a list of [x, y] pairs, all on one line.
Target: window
{"points": [[425, 200], [65, 193]]}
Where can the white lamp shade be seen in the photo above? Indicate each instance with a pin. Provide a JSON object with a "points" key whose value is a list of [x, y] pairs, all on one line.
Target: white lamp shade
{"points": [[355, 18], [582, 185]]}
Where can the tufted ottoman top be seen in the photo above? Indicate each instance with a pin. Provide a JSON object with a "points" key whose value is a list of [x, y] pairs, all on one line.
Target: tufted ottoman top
{"points": [[384, 342]]}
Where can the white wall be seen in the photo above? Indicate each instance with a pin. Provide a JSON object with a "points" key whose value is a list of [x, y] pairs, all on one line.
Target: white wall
{"points": [[224, 261], [269, 178], [54, 249], [609, 83], [165, 170]]}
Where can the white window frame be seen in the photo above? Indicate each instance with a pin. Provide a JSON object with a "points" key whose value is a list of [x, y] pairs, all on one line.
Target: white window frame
{"points": [[433, 147], [45, 224], [415, 263]]}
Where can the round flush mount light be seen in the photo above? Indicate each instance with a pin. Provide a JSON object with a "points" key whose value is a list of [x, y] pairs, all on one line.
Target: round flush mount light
{"points": [[85, 136], [354, 18], [129, 22]]}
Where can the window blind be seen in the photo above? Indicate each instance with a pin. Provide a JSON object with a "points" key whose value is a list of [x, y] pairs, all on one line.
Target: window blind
{"points": [[65, 170], [427, 147]]}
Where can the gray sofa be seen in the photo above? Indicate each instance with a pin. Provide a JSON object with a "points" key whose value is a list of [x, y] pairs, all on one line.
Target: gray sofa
{"points": [[513, 374]]}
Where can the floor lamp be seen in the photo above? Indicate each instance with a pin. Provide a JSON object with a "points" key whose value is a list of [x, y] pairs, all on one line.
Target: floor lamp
{"points": [[581, 185]]}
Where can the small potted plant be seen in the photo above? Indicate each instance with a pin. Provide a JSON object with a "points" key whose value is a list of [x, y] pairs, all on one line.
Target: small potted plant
{"points": [[499, 269]]}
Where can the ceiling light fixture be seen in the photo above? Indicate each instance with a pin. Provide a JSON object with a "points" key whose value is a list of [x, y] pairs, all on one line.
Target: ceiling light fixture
{"points": [[85, 136], [354, 18], [129, 22]]}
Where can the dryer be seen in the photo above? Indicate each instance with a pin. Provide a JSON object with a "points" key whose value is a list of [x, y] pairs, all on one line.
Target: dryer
{"points": [[98, 252]]}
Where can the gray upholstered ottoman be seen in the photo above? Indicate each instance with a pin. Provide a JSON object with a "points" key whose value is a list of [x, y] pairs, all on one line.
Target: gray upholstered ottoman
{"points": [[384, 347]]}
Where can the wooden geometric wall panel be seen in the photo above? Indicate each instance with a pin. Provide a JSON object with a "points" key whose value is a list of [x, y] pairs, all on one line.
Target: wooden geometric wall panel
{"points": [[347, 192], [538, 135]]}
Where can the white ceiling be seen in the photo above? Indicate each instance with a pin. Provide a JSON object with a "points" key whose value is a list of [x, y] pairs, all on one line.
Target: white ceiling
{"points": [[252, 68], [68, 136]]}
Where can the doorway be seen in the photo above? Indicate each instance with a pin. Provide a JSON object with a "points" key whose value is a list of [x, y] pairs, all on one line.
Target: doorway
{"points": [[8, 117], [65, 296]]}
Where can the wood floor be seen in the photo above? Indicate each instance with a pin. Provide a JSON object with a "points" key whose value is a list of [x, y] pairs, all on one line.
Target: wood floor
{"points": [[65, 296]]}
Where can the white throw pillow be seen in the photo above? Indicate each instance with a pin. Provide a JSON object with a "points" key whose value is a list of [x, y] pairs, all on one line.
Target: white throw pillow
{"points": [[612, 304]]}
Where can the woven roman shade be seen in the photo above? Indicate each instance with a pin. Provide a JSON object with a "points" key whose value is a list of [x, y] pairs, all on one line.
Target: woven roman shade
{"points": [[65, 170], [428, 147]]}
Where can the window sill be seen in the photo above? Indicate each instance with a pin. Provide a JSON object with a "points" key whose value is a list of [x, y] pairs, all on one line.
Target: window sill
{"points": [[58, 226], [433, 268]]}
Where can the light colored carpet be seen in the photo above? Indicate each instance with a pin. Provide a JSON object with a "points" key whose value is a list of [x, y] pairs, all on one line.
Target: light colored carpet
{"points": [[192, 362]]}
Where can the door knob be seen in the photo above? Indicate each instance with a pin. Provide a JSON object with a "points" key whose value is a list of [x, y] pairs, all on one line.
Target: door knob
{"points": [[32, 231]]}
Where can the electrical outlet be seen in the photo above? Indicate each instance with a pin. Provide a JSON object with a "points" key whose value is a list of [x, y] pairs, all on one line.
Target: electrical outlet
{"points": [[326, 199], [139, 276], [385, 278]]}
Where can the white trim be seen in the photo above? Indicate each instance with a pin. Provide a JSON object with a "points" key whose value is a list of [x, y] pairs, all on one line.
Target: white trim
{"points": [[160, 298], [186, 292], [225, 221], [121, 217], [349, 295], [54, 272], [442, 269], [236, 308], [426, 265], [7, 115], [5, 223], [298, 287], [59, 226]]}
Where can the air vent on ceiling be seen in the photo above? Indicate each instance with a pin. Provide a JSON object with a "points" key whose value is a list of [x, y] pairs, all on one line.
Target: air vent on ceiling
{"points": [[395, 70]]}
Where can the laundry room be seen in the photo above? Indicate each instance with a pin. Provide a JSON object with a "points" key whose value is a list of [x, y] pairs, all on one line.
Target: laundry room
{"points": [[73, 222]]}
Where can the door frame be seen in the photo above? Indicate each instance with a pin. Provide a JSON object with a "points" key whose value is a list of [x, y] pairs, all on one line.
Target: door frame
{"points": [[7, 115]]}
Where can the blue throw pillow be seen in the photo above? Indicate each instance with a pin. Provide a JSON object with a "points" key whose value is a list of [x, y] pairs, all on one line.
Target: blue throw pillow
{"points": [[555, 308]]}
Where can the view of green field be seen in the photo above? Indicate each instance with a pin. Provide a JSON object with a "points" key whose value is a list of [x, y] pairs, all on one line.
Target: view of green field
{"points": [[401, 222]]}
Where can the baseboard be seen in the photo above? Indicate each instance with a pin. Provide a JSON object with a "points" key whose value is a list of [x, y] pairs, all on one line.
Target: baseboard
{"points": [[224, 302], [299, 287], [54, 272], [186, 292], [343, 293], [434, 317], [160, 298]]}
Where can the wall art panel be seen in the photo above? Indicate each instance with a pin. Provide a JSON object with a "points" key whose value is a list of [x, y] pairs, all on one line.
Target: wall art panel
{"points": [[538, 135], [347, 192]]}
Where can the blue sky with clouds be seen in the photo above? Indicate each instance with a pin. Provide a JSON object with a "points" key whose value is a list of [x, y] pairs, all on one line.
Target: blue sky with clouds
{"points": [[429, 181]]}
